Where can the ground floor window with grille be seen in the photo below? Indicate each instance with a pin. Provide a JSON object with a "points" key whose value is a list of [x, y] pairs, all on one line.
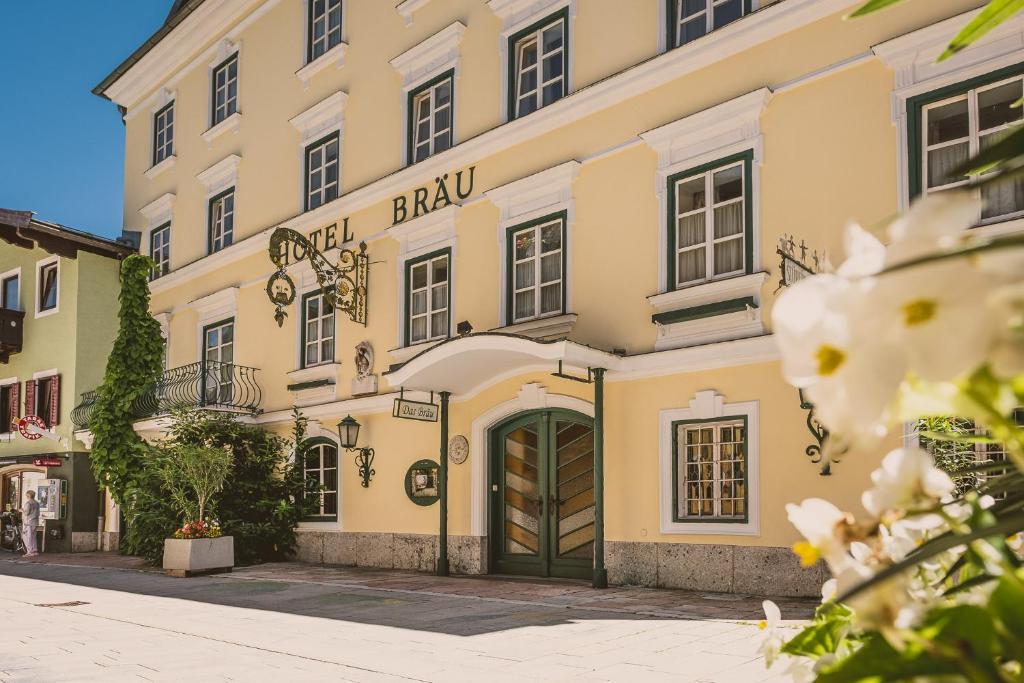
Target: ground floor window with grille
{"points": [[958, 458], [321, 467], [710, 470]]}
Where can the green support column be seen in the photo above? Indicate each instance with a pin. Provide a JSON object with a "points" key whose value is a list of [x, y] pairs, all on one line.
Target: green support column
{"points": [[600, 572], [442, 558]]}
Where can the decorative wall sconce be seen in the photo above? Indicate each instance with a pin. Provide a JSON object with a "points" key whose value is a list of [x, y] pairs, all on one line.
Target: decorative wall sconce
{"points": [[348, 437]]}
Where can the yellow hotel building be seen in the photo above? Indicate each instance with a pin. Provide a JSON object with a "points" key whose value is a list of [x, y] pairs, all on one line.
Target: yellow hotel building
{"points": [[571, 212]]}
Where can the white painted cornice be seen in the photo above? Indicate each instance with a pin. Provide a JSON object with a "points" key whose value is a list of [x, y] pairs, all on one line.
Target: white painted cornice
{"points": [[159, 210], [515, 13], [720, 126], [547, 188], [336, 56], [221, 174], [327, 114], [431, 228], [220, 304], [913, 55], [407, 7], [434, 53]]}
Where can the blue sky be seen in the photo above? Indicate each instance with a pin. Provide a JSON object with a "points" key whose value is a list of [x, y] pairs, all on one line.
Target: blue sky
{"points": [[61, 147]]}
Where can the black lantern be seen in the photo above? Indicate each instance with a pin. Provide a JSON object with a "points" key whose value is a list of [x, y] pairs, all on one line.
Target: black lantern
{"points": [[348, 436]]}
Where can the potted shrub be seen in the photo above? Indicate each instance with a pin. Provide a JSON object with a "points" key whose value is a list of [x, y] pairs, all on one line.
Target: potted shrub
{"points": [[192, 476]]}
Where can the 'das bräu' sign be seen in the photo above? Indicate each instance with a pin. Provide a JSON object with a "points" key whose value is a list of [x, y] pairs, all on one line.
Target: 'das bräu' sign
{"points": [[433, 197], [415, 410]]}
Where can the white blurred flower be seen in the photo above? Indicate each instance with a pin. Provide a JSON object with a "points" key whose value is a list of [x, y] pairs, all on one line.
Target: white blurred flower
{"points": [[1007, 357], [773, 640], [937, 314], [849, 373], [825, 527], [865, 253], [907, 479], [934, 222], [887, 603]]}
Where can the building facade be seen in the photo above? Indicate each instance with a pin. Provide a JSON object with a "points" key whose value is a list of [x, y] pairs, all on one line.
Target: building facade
{"points": [[572, 214], [59, 316]]}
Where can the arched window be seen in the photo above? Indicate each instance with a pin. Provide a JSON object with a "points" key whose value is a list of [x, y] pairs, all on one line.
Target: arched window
{"points": [[321, 466]]}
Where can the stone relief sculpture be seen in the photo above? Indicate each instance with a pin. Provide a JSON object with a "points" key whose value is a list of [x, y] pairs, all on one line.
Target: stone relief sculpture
{"points": [[365, 381]]}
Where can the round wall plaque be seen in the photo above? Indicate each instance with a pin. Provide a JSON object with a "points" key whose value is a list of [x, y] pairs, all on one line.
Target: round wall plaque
{"points": [[458, 449], [421, 482]]}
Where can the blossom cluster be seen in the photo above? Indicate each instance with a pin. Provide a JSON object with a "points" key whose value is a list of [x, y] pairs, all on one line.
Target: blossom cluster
{"points": [[199, 529]]}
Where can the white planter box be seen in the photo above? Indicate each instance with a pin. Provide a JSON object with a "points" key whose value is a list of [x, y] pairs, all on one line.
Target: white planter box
{"points": [[190, 556]]}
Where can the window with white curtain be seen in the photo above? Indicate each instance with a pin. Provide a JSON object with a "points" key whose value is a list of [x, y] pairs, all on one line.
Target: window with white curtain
{"points": [[710, 224], [317, 331], [222, 220], [321, 467], [431, 123], [427, 308], [536, 273], [957, 128]]}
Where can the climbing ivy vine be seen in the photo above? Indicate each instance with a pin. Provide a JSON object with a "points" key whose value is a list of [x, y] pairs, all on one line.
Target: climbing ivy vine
{"points": [[133, 368]]}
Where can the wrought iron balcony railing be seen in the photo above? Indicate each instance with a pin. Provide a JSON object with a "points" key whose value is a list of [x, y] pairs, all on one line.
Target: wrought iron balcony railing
{"points": [[206, 384]]}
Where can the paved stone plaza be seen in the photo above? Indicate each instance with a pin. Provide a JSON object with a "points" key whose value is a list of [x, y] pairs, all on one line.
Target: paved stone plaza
{"points": [[114, 622]]}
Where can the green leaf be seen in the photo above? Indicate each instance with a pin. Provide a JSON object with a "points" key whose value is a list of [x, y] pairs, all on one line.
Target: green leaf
{"points": [[876, 660], [872, 6], [1007, 602], [1007, 149], [817, 640], [995, 13]]}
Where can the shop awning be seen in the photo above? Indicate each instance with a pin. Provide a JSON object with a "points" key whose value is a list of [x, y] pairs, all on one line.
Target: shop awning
{"points": [[462, 364]]}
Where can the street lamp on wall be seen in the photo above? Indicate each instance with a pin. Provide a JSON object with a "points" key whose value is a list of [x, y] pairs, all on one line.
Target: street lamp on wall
{"points": [[348, 437]]}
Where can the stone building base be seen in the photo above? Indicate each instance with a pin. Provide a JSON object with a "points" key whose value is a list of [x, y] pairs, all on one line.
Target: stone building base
{"points": [[110, 541], [753, 570], [83, 541], [466, 554]]}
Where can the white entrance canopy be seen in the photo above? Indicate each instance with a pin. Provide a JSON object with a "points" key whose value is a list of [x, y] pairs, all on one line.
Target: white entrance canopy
{"points": [[463, 364]]}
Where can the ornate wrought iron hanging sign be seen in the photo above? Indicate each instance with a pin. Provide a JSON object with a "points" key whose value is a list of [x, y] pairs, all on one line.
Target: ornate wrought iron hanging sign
{"points": [[793, 268], [343, 284]]}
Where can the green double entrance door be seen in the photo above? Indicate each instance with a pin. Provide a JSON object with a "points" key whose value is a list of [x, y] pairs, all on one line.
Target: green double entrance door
{"points": [[542, 495]]}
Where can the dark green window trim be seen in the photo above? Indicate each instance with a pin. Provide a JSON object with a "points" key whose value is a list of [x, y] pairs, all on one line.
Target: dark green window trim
{"points": [[407, 323], [209, 221], [154, 273], [213, 87], [309, 29], [318, 441], [312, 384], [513, 58], [156, 117], [704, 311], [748, 214], [915, 109], [302, 339], [219, 323], [672, 21], [562, 216], [411, 115], [675, 472], [305, 180]]}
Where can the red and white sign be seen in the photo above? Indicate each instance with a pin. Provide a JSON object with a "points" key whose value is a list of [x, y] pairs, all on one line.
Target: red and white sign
{"points": [[47, 462], [31, 427]]}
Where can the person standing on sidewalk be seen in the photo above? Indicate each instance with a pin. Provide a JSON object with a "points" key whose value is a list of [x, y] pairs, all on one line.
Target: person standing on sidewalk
{"points": [[30, 519]]}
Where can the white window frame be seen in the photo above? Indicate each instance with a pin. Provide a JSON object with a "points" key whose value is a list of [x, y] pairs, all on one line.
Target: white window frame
{"points": [[973, 139], [311, 20], [717, 480], [709, 405], [217, 224], [162, 153], [37, 306], [224, 66], [15, 273], [318, 342], [430, 312], [321, 146], [337, 481], [710, 241], [536, 37], [709, 18], [431, 94], [221, 345], [537, 259], [162, 261]]}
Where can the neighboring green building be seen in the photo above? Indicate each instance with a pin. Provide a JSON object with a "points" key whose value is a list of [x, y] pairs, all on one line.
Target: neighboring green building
{"points": [[58, 319]]}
